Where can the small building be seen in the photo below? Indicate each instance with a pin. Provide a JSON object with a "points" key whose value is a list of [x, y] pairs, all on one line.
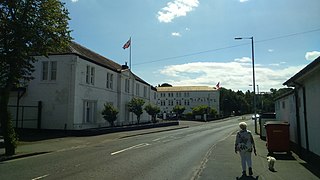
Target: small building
{"points": [[187, 96], [74, 86], [301, 109]]}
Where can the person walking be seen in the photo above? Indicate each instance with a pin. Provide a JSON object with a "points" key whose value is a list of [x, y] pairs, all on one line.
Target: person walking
{"points": [[244, 145]]}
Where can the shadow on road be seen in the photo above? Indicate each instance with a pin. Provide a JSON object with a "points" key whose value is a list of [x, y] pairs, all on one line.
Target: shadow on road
{"points": [[247, 178]]}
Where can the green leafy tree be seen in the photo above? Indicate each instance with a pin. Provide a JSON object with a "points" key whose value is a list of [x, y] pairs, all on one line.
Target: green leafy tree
{"points": [[110, 113], [28, 28], [178, 109], [213, 112], [152, 110], [200, 110], [135, 106]]}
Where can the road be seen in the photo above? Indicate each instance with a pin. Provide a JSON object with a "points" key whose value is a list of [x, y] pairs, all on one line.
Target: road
{"points": [[178, 154]]}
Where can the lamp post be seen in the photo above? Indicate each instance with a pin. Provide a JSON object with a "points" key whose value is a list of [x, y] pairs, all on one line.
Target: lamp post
{"points": [[253, 80]]}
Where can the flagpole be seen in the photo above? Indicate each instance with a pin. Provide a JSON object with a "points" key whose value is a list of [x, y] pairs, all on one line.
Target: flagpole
{"points": [[130, 53]]}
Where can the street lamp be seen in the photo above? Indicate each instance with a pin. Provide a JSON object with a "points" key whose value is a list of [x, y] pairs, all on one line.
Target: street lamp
{"points": [[253, 80]]}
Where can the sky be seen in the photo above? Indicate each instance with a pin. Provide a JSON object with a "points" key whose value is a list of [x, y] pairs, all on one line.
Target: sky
{"points": [[192, 42]]}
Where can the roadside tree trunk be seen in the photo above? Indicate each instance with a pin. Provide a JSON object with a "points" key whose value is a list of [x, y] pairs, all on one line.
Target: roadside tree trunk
{"points": [[9, 135]]}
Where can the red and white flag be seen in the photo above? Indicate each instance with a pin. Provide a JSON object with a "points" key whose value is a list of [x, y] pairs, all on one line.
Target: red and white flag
{"points": [[127, 44], [218, 85]]}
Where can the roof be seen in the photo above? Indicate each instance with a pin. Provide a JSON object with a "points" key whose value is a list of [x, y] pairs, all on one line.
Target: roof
{"points": [[185, 88], [284, 95], [314, 65], [76, 48], [85, 53]]}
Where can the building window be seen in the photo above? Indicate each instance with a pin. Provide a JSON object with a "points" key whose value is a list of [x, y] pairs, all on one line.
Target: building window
{"points": [[144, 91], [53, 74], [109, 81], [89, 111], [127, 86], [92, 76], [90, 73], [137, 89], [283, 104], [49, 71], [45, 70]]}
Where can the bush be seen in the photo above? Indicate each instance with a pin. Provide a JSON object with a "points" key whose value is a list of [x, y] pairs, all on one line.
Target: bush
{"points": [[110, 113]]}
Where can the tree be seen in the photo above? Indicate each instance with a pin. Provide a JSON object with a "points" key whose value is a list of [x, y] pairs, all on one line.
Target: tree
{"points": [[28, 28], [213, 112], [110, 113], [200, 110], [135, 106], [178, 110], [152, 110]]}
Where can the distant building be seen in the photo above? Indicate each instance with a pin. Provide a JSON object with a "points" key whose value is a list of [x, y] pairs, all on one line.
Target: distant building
{"points": [[187, 96], [74, 86]]}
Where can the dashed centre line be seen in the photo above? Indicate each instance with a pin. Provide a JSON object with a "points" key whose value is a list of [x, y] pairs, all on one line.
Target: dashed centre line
{"points": [[40, 177], [129, 148]]}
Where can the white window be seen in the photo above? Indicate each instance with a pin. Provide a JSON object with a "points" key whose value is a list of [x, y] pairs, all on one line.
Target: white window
{"points": [[45, 70], [137, 89], [89, 111], [127, 85], [90, 73], [92, 76], [144, 91], [109, 84], [49, 71]]}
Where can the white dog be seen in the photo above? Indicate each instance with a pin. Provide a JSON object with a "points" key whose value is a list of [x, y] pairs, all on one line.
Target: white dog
{"points": [[271, 161]]}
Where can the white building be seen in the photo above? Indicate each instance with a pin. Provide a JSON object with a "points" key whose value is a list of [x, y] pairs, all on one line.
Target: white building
{"points": [[187, 96], [301, 109], [74, 86]]}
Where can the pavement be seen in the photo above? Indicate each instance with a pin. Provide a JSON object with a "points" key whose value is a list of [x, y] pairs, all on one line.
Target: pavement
{"points": [[228, 165], [221, 155]]}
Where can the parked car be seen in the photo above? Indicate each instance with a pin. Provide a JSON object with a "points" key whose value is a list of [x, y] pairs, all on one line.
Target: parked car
{"points": [[257, 116]]}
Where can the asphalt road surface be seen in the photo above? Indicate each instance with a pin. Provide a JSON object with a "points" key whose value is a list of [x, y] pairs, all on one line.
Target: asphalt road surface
{"points": [[177, 154]]}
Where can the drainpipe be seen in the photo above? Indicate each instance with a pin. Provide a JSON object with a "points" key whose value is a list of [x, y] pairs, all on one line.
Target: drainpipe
{"points": [[296, 94]]}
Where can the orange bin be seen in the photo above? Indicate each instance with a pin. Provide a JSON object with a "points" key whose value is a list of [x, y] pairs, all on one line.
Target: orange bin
{"points": [[278, 137]]}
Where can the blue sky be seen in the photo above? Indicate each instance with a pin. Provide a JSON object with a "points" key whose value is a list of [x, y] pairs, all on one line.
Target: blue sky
{"points": [[191, 42]]}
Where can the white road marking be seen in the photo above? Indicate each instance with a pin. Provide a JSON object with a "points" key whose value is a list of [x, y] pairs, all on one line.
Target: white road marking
{"points": [[129, 148], [157, 139], [40, 177], [72, 148]]}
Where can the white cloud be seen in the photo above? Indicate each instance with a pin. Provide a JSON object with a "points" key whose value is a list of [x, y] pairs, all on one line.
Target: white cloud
{"points": [[176, 34], [270, 50], [243, 60], [312, 55], [232, 75], [187, 29], [243, 1], [74, 1], [175, 9]]}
